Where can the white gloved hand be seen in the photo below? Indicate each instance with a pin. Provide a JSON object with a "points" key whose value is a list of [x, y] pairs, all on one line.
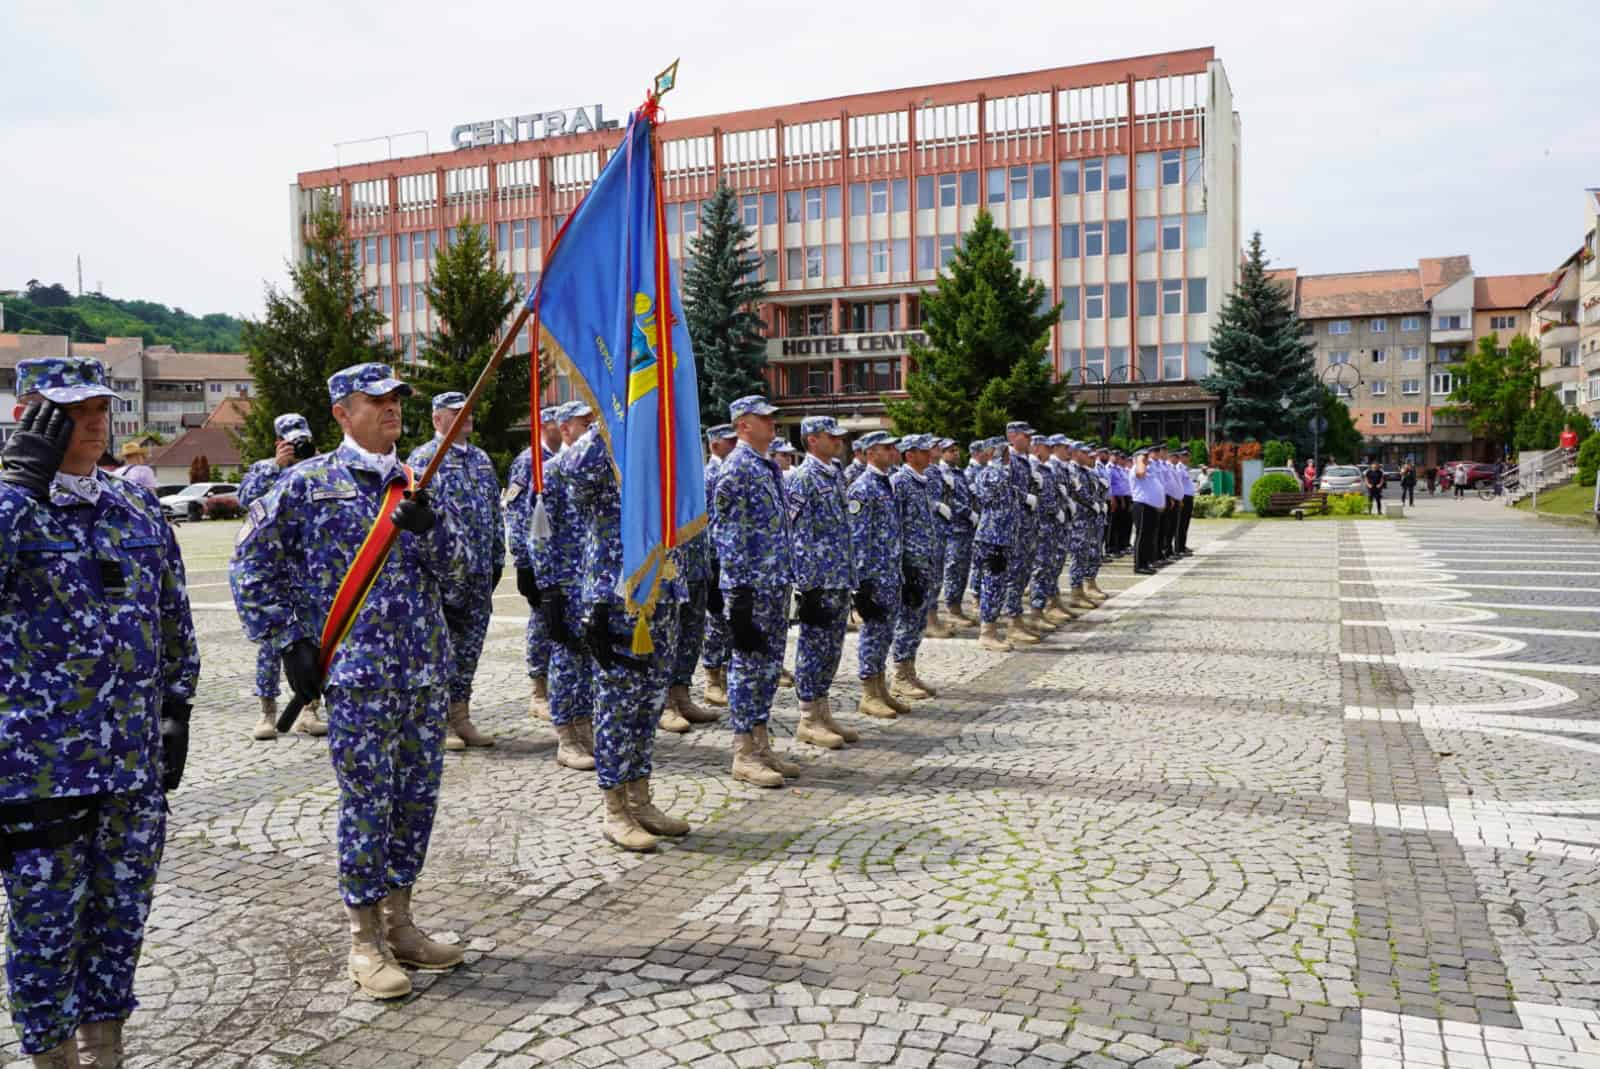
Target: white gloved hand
{"points": [[974, 517], [942, 509], [1033, 501], [1061, 516]]}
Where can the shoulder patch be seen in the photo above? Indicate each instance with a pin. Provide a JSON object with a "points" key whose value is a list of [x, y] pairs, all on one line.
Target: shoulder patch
{"points": [[511, 493]]}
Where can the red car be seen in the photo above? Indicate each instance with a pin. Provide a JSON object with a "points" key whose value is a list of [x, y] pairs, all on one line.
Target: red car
{"points": [[1476, 474]]}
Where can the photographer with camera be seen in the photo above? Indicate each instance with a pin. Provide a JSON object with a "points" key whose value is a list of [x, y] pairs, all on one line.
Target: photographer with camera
{"points": [[294, 444]]}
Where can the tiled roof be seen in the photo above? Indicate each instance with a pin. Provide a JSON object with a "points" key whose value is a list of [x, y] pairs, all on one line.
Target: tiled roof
{"points": [[1360, 293], [230, 413], [1507, 291], [214, 443], [15, 347], [197, 366], [1287, 277], [1440, 271]]}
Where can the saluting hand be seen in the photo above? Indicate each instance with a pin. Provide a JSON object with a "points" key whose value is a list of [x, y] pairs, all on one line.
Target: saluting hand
{"points": [[35, 450]]}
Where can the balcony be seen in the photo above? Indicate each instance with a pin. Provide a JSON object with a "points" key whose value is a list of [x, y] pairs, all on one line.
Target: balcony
{"points": [[1451, 330], [1557, 336]]}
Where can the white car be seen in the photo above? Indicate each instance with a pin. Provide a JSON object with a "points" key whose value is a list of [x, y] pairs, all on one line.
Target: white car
{"points": [[189, 503], [1342, 479]]}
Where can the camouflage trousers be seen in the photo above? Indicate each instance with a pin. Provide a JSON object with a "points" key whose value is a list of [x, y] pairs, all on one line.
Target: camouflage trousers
{"points": [[628, 700], [540, 647], [1085, 548], [268, 667], [909, 624], [77, 916], [957, 566], [991, 586], [1019, 567], [753, 677], [466, 644], [691, 634], [876, 637], [714, 654], [387, 748], [1047, 568], [572, 672], [818, 650], [1097, 543]]}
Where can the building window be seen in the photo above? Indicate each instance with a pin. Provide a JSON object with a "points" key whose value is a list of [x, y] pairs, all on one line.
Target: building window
{"points": [[1338, 356], [1171, 167], [1093, 175], [1380, 356], [1019, 244], [1378, 326], [880, 258], [1094, 302], [901, 190], [1411, 387], [419, 246], [1118, 304], [947, 249], [925, 196], [1379, 419], [1503, 322], [1410, 323], [1069, 304], [1041, 181], [969, 190], [900, 254], [1411, 354], [1019, 183], [813, 200], [1447, 323], [1117, 237], [875, 316], [1194, 165], [1171, 234], [1199, 360], [996, 181], [813, 262], [947, 190], [1594, 386], [1144, 235], [1094, 239], [1069, 241], [1172, 296], [858, 199], [1410, 419], [1569, 357], [792, 210], [1339, 326], [1069, 177], [878, 195], [835, 262], [1443, 383], [1117, 172], [1144, 170], [1149, 363], [769, 209], [1145, 298], [1172, 361], [834, 200], [1197, 230], [1569, 396], [1197, 296], [750, 210], [925, 253], [1379, 388], [769, 266]]}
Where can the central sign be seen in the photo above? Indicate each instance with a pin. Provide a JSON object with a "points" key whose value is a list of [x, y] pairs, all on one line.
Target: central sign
{"points": [[846, 344], [534, 126]]}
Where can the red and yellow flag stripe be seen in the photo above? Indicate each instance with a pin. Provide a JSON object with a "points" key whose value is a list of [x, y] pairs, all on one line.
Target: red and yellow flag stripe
{"points": [[363, 573]]}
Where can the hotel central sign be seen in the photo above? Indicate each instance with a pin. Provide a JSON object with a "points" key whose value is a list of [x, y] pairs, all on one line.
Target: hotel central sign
{"points": [[534, 126], [845, 345]]}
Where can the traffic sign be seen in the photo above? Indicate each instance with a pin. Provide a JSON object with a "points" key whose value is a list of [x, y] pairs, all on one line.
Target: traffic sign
{"points": [[1320, 424]]}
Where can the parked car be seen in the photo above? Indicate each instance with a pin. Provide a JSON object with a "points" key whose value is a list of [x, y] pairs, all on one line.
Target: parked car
{"points": [[1391, 473], [189, 503], [168, 489], [1477, 474], [1342, 479], [1281, 471]]}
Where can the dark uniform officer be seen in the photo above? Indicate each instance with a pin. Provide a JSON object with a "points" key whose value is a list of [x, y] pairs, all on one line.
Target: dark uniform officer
{"points": [[100, 669]]}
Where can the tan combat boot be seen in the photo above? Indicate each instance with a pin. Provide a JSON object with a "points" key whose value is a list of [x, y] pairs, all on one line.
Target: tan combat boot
{"points": [[906, 686], [371, 965], [99, 1045], [875, 699], [989, 638], [785, 678], [786, 769], [687, 708], [459, 732], [539, 700], [62, 1056], [621, 826], [1093, 589], [1080, 600], [849, 735], [266, 728], [1056, 612], [406, 941], [716, 686], [919, 681], [1018, 635], [748, 766], [572, 749], [958, 614], [814, 726], [308, 724], [671, 719], [936, 628], [1038, 622], [649, 817]]}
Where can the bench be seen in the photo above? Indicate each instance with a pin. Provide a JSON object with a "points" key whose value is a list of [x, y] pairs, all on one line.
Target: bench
{"points": [[1297, 505]]}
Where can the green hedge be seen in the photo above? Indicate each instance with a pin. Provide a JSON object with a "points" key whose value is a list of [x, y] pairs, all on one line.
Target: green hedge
{"points": [[1347, 504], [1588, 460], [1275, 483], [1214, 506]]}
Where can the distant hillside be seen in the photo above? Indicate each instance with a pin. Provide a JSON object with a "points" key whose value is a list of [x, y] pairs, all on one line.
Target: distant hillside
{"points": [[53, 309]]}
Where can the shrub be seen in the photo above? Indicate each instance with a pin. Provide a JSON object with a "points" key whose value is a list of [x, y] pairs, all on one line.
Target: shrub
{"points": [[1214, 506], [1275, 483], [1275, 454], [1198, 453], [1588, 460], [1347, 504], [222, 507]]}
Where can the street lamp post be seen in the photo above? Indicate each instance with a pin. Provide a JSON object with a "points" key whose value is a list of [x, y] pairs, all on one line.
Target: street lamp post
{"points": [[1130, 374], [1339, 372]]}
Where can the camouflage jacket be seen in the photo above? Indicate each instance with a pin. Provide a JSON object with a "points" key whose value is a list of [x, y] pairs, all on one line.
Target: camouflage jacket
{"points": [[558, 560], [467, 478], [917, 531], [518, 502], [820, 527], [999, 503], [590, 478], [875, 537], [750, 523]]}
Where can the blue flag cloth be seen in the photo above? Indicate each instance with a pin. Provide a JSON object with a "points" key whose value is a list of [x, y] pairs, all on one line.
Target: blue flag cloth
{"points": [[599, 309]]}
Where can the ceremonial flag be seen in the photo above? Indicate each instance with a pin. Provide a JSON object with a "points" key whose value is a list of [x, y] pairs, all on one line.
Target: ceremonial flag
{"points": [[610, 314]]}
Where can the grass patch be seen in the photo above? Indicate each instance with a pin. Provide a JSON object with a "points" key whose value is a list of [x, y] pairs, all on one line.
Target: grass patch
{"points": [[1569, 500]]}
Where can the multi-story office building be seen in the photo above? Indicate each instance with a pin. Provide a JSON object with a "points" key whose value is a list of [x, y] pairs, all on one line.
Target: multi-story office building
{"points": [[1118, 183], [1391, 344]]}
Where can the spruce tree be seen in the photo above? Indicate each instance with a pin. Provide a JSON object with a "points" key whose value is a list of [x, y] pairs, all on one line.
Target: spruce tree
{"points": [[325, 321], [472, 300], [985, 363], [1259, 355], [720, 296]]}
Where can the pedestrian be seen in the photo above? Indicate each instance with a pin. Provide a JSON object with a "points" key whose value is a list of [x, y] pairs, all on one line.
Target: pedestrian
{"points": [[293, 444], [518, 502], [1375, 483], [824, 574], [1458, 479], [1432, 474], [1408, 484], [1309, 479], [754, 545], [136, 466], [101, 664], [919, 535], [387, 681], [877, 553]]}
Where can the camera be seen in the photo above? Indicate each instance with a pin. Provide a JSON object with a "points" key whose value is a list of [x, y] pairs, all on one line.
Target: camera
{"points": [[304, 449]]}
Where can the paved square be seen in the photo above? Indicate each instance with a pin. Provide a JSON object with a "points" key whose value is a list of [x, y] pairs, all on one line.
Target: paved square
{"points": [[1326, 794]]}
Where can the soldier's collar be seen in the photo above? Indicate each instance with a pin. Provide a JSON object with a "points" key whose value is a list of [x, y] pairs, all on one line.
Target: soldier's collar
{"points": [[76, 489], [382, 465]]}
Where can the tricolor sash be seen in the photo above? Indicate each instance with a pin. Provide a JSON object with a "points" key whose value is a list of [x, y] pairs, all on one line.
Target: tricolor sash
{"points": [[364, 570]]}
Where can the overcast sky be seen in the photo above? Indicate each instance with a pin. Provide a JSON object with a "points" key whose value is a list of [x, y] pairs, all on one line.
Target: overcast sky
{"points": [[158, 140]]}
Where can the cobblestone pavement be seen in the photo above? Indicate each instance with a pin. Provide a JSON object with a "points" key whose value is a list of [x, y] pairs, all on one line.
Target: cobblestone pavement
{"points": [[1325, 794]]}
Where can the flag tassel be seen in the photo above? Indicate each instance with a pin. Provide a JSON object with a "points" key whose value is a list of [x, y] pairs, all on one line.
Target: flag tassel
{"points": [[541, 522], [642, 646]]}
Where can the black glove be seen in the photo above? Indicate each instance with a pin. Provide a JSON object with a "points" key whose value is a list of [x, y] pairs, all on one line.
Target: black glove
{"points": [[553, 605], [714, 602], [174, 742], [413, 514], [300, 665], [742, 629], [812, 612], [499, 572], [996, 562], [455, 617], [528, 587], [602, 646], [35, 449], [912, 589], [867, 606]]}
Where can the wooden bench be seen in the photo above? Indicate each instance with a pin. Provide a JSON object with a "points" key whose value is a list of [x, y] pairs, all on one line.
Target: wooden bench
{"points": [[1297, 505]]}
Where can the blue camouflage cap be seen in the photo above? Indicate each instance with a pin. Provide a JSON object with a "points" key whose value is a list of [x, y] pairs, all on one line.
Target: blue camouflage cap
{"points": [[549, 415], [453, 400], [291, 427], [944, 443], [374, 380], [573, 410], [916, 441], [1058, 439], [1018, 426], [821, 425], [722, 432], [783, 445], [63, 380], [753, 405], [977, 445], [872, 438], [856, 446]]}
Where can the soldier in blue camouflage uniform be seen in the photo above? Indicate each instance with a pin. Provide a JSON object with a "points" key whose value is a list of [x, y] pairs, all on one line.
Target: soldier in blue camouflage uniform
{"points": [[857, 466], [630, 690], [877, 552], [824, 574], [999, 503], [555, 559], [958, 530], [518, 502], [1085, 546], [386, 687], [1024, 540], [293, 444], [1100, 472], [1052, 532], [720, 441], [944, 514], [913, 488], [466, 477], [978, 458], [1054, 610], [750, 529], [682, 711], [100, 670]]}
